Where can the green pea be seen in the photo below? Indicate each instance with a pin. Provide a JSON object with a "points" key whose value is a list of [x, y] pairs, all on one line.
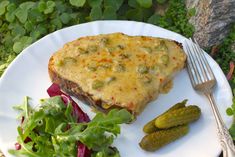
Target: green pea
{"points": [[111, 50], [161, 47], [110, 79], [165, 59], [69, 60], [92, 48], [105, 41], [147, 79], [120, 68], [122, 47], [60, 63], [124, 55], [97, 84], [142, 69], [106, 66], [147, 50], [91, 68], [82, 51], [154, 69]]}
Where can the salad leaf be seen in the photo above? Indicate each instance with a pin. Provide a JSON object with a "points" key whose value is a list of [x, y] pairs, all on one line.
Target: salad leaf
{"points": [[53, 129], [54, 90], [92, 134]]}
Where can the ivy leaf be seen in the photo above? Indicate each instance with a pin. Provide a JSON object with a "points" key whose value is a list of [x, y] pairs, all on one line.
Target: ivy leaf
{"points": [[3, 5], [96, 13], [22, 15], [77, 3], [115, 4], [61, 7], [133, 3], [50, 7], [36, 16], [28, 25], [65, 18], [18, 30], [135, 14], [22, 12], [109, 13], [27, 5], [145, 3], [22, 43], [154, 19], [42, 6], [56, 23], [146, 13], [95, 3], [42, 28], [35, 35], [122, 10], [11, 7], [10, 15]]}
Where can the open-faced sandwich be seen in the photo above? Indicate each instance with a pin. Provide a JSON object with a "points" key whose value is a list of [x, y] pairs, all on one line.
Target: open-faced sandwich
{"points": [[116, 70]]}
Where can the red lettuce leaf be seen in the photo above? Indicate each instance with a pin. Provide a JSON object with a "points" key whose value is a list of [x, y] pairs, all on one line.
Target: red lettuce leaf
{"points": [[54, 90]]}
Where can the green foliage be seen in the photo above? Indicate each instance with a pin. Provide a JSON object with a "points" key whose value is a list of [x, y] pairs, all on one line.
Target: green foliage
{"points": [[225, 53], [54, 132], [175, 19], [23, 22], [231, 112], [224, 56]]}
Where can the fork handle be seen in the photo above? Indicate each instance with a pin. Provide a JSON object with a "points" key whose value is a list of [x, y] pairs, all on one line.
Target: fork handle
{"points": [[226, 140]]}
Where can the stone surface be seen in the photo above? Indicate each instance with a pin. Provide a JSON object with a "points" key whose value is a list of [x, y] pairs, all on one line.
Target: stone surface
{"points": [[212, 20]]}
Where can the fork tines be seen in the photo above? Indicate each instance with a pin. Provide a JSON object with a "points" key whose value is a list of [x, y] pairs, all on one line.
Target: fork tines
{"points": [[198, 67]]}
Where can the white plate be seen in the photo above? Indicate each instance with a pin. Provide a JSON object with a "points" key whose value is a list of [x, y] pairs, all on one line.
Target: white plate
{"points": [[27, 75]]}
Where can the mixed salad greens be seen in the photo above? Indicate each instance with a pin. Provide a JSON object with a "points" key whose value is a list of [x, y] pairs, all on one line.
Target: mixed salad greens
{"points": [[58, 127]]}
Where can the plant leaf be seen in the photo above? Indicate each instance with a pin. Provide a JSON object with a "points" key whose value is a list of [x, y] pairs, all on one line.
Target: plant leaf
{"points": [[145, 3], [77, 3], [22, 15], [96, 13], [27, 5], [109, 13], [65, 18], [95, 3], [154, 19], [133, 3], [3, 5], [50, 7], [114, 4]]}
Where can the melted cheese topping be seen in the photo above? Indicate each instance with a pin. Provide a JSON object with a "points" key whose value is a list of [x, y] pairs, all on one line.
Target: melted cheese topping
{"points": [[122, 70]]}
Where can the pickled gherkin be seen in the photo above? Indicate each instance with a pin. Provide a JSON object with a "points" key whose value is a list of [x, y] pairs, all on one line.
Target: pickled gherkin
{"points": [[150, 126], [177, 117], [158, 139]]}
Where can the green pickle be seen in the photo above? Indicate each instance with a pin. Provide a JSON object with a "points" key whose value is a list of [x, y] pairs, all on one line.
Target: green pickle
{"points": [[177, 117], [158, 139], [150, 126]]}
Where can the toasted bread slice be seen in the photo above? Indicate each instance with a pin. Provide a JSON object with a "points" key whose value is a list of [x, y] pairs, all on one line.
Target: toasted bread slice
{"points": [[116, 70]]}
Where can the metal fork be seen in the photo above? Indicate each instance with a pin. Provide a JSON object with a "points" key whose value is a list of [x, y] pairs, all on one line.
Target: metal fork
{"points": [[203, 80]]}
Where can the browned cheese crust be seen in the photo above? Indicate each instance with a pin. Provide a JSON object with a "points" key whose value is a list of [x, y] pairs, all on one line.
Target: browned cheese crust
{"points": [[75, 57]]}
